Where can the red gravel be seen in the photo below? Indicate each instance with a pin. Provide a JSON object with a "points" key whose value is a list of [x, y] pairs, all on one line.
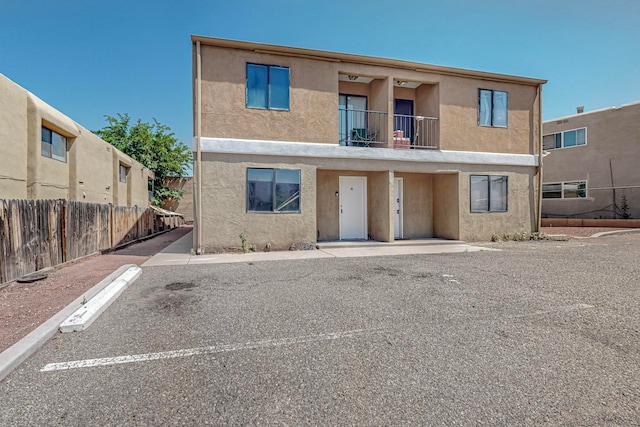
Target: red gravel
{"points": [[25, 306]]}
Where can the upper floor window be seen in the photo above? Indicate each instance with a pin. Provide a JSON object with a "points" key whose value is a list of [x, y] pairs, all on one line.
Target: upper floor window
{"points": [[565, 190], [492, 108], [273, 190], [53, 145], [268, 87], [489, 193], [122, 175], [567, 138]]}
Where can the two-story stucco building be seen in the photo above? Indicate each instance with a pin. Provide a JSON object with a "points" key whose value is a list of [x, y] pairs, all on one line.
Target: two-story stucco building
{"points": [[47, 155], [591, 169], [294, 146]]}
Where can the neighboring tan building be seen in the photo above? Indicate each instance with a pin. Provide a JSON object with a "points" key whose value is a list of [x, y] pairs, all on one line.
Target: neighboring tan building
{"points": [[591, 169], [184, 206], [46, 155], [295, 146]]}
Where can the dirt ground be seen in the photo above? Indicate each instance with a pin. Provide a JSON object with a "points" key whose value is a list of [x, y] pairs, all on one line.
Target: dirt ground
{"points": [[25, 306]]}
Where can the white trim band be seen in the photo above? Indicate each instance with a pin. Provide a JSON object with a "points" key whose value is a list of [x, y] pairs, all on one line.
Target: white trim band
{"points": [[334, 151]]}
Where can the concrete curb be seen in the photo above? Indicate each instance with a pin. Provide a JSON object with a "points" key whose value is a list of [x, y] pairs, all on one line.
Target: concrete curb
{"points": [[83, 317], [608, 233], [12, 357]]}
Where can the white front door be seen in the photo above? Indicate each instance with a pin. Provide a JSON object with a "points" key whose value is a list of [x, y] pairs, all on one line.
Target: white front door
{"points": [[353, 207], [397, 196]]}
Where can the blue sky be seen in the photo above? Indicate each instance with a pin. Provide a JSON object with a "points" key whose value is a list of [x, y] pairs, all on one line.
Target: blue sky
{"points": [[88, 58]]}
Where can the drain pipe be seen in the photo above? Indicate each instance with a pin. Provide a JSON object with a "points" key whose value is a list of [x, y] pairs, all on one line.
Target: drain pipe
{"points": [[540, 157], [198, 222]]}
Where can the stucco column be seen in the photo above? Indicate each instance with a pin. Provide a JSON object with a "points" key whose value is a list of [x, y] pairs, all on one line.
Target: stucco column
{"points": [[391, 203]]}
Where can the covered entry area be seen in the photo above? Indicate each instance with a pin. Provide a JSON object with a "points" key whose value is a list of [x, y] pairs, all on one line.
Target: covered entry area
{"points": [[386, 205]]}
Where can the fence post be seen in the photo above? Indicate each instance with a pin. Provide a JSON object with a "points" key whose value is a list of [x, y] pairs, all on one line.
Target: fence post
{"points": [[111, 227], [63, 221]]}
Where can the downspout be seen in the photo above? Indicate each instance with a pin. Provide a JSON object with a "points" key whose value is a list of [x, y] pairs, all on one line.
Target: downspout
{"points": [[540, 157], [198, 222]]}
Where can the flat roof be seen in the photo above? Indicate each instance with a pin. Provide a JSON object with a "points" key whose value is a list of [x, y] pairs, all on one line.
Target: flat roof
{"points": [[586, 113], [322, 55]]}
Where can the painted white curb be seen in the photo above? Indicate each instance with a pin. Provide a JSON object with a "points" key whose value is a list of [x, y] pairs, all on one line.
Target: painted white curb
{"points": [[85, 315], [12, 357]]}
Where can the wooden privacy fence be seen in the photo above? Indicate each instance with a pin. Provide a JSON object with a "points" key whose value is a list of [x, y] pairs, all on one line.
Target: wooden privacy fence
{"points": [[35, 234]]}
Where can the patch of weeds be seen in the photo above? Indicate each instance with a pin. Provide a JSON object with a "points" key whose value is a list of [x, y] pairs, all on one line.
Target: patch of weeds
{"points": [[523, 236]]}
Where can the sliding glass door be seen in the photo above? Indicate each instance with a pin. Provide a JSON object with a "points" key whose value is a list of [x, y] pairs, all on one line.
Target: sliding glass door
{"points": [[351, 116]]}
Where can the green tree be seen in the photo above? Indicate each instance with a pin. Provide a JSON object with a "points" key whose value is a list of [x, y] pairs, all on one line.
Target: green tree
{"points": [[153, 145]]}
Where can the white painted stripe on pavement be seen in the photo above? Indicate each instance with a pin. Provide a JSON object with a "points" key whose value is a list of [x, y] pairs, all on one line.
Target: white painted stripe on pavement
{"points": [[90, 363], [566, 308]]}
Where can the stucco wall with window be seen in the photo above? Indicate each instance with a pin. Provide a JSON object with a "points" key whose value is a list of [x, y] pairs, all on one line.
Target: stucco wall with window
{"points": [[312, 114], [459, 128], [519, 215], [82, 171], [224, 210], [608, 159], [314, 90]]}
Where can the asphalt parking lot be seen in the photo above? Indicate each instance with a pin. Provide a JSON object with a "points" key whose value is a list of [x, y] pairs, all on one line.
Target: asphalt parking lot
{"points": [[538, 333]]}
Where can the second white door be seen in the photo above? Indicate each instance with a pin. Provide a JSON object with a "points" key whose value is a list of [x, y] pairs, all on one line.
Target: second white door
{"points": [[397, 196]]}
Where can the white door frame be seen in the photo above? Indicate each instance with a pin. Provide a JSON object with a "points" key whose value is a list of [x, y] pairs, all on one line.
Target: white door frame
{"points": [[398, 208], [344, 192]]}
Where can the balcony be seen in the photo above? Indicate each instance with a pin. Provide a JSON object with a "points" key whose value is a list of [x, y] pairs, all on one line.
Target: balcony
{"points": [[367, 128], [415, 132], [362, 128]]}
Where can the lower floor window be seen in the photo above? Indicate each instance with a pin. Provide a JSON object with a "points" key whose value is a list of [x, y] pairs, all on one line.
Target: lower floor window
{"points": [[489, 193], [122, 175], [273, 190], [53, 145], [565, 190]]}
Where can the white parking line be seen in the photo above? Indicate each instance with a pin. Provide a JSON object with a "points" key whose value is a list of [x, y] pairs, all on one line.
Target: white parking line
{"points": [[90, 363], [566, 308]]}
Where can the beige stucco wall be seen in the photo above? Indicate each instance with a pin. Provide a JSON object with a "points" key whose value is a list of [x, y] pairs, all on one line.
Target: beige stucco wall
{"points": [[380, 208], [417, 208], [183, 206], [13, 140], [47, 178], [446, 209], [314, 90], [613, 141], [520, 215], [436, 195], [93, 161], [313, 98], [436, 201], [224, 211], [87, 174], [459, 129]]}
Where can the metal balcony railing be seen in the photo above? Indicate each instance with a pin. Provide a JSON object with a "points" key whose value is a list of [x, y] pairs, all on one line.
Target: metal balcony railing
{"points": [[362, 128], [415, 132]]}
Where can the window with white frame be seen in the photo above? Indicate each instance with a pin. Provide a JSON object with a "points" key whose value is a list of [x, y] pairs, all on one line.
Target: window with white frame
{"points": [[489, 193], [492, 108], [268, 87], [565, 139], [565, 190], [53, 145], [122, 175], [273, 190]]}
